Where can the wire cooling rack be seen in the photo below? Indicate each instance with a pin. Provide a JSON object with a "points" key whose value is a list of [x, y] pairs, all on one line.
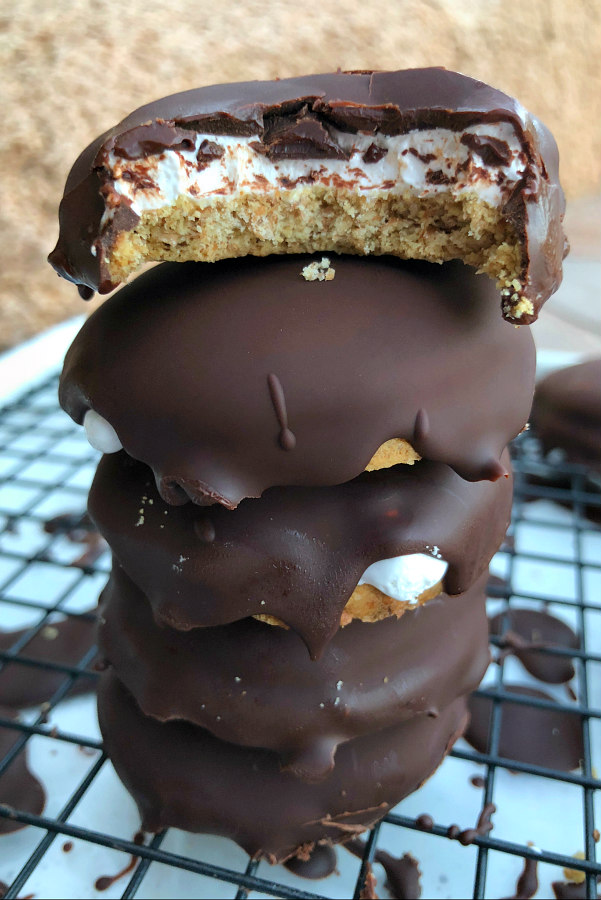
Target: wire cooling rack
{"points": [[551, 560]]}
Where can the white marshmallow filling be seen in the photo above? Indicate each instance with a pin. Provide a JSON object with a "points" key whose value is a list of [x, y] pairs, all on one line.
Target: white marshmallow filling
{"points": [[425, 162], [405, 578], [100, 433]]}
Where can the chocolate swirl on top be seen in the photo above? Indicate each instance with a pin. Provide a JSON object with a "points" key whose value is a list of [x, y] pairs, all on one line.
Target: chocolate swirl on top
{"points": [[253, 684], [178, 362], [297, 118], [295, 553]]}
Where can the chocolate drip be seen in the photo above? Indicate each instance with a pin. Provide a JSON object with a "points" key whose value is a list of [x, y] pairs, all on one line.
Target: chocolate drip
{"points": [[543, 737], [402, 873], [79, 529], [276, 392], [181, 776], [64, 643], [295, 553], [19, 788], [526, 632], [320, 863], [483, 826], [393, 316], [253, 684], [569, 890], [527, 885], [421, 429], [292, 118], [106, 881]]}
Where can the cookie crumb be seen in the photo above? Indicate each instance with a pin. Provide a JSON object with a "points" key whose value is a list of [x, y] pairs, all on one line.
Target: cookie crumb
{"points": [[49, 632], [577, 876], [319, 271]]}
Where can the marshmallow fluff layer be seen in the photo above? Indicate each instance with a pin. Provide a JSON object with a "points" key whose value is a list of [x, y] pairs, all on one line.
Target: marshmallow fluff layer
{"points": [[425, 163], [404, 578]]}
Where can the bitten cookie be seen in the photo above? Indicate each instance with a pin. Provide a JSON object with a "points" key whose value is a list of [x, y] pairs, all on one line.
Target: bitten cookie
{"points": [[423, 164]]}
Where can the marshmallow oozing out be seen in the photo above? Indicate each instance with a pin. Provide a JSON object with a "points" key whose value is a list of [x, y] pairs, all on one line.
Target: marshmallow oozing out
{"points": [[100, 433], [404, 578]]}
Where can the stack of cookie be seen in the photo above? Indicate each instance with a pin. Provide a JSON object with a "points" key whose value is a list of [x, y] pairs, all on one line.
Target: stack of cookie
{"points": [[305, 473]]}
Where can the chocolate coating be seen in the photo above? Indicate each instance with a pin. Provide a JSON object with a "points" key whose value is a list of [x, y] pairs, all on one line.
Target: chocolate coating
{"points": [[181, 776], [252, 684], [293, 118], [567, 413], [542, 737], [295, 553], [64, 643], [180, 363], [19, 788], [525, 632]]}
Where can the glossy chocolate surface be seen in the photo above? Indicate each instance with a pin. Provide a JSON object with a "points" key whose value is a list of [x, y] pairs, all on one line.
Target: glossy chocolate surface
{"points": [[187, 362], [293, 118], [63, 643], [181, 776], [295, 553], [253, 684], [551, 738], [526, 633], [19, 788]]}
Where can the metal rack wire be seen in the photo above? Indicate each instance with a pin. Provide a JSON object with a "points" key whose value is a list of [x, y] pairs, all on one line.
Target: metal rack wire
{"points": [[33, 430]]}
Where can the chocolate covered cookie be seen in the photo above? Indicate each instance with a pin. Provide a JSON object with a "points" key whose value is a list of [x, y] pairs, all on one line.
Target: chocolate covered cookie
{"points": [[254, 685], [180, 775], [230, 378], [423, 163], [566, 414], [298, 554]]}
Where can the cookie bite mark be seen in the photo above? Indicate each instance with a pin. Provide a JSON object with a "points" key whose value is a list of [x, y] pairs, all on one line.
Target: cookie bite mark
{"points": [[421, 164], [287, 439]]}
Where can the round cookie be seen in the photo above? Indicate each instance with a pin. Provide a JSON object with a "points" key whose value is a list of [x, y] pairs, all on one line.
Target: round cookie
{"points": [[566, 414], [182, 776], [230, 378], [423, 163], [254, 685], [296, 553]]}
